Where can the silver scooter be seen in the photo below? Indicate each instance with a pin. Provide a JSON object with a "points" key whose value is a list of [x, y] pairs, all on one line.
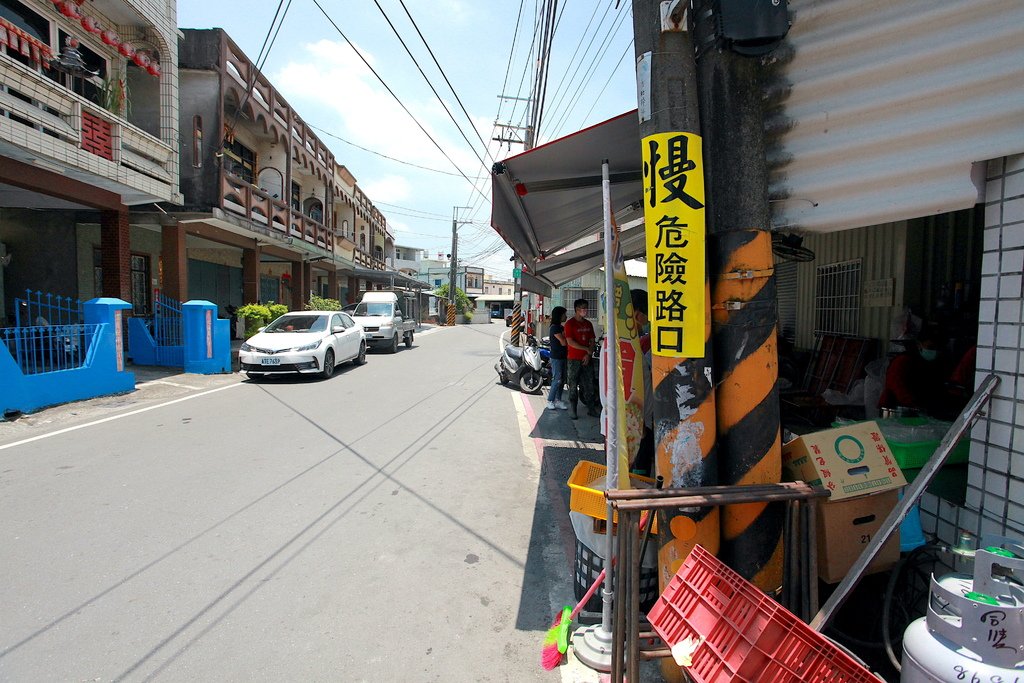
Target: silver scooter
{"points": [[523, 367]]}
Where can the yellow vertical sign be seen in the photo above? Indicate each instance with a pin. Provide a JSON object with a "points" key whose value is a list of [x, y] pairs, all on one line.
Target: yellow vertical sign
{"points": [[674, 217]]}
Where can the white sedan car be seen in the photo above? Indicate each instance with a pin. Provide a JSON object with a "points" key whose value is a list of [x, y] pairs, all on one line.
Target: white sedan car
{"points": [[304, 342]]}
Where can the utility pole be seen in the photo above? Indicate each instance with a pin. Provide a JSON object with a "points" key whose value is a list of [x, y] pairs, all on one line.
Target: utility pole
{"points": [[744, 310], [684, 397], [450, 318]]}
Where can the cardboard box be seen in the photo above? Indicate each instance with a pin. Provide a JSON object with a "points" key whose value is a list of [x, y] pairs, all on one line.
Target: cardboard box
{"points": [[845, 527], [856, 465], [849, 461]]}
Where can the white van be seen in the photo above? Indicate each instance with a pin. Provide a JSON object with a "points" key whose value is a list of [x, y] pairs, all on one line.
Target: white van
{"points": [[386, 318]]}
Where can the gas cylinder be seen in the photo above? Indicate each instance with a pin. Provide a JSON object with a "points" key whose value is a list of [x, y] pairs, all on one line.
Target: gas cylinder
{"points": [[967, 636]]}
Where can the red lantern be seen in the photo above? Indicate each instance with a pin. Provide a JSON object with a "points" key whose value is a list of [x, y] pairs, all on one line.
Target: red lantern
{"points": [[141, 59], [70, 10], [91, 25], [126, 49], [110, 38], [154, 69]]}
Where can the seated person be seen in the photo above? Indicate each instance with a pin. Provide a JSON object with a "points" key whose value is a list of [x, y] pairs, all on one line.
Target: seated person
{"points": [[915, 377]]}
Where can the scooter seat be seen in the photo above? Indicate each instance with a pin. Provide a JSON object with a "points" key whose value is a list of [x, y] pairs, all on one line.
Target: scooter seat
{"points": [[514, 352]]}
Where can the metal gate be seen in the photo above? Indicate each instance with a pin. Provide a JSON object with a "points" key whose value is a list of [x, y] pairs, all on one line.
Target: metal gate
{"points": [[167, 331]]}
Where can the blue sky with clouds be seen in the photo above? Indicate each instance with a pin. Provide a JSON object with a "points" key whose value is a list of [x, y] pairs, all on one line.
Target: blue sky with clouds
{"points": [[323, 79]]}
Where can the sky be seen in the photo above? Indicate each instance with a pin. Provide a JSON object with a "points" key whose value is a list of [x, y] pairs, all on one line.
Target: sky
{"points": [[413, 182]]}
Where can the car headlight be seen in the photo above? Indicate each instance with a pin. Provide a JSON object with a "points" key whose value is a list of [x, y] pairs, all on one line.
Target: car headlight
{"points": [[246, 347], [308, 347]]}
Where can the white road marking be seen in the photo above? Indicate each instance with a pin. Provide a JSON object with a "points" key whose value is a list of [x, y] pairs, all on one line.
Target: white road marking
{"points": [[116, 417], [170, 384]]}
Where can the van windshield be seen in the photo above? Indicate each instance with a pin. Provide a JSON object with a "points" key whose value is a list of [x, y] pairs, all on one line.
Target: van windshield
{"points": [[373, 309]]}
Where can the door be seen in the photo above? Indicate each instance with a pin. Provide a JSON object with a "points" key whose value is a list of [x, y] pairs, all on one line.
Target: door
{"points": [[348, 340]]}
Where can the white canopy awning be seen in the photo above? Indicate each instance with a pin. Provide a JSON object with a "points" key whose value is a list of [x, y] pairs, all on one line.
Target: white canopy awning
{"points": [[550, 196]]}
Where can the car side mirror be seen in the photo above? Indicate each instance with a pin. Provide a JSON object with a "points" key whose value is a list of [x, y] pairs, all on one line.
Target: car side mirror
{"points": [[337, 329]]}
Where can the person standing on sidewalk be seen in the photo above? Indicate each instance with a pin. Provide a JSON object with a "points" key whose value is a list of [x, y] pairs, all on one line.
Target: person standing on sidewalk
{"points": [[579, 337], [556, 337]]}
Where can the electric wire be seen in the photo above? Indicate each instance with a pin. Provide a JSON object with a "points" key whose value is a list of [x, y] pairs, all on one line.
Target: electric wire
{"points": [[511, 53], [390, 91], [591, 70], [261, 58], [444, 105], [605, 87], [560, 93], [383, 156], [543, 57], [445, 76]]}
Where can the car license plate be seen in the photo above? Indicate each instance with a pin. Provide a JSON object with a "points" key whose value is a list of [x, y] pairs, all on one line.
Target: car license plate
{"points": [[270, 361]]}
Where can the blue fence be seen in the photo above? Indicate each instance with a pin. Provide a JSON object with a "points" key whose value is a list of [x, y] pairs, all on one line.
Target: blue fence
{"points": [[42, 365], [49, 348], [40, 308], [158, 339]]}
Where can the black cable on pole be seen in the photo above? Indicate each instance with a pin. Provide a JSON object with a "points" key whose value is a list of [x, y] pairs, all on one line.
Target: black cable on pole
{"points": [[390, 91], [547, 65], [559, 93], [431, 85]]}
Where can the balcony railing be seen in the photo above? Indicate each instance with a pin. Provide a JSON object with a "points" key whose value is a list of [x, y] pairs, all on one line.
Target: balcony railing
{"points": [[248, 201], [49, 119]]}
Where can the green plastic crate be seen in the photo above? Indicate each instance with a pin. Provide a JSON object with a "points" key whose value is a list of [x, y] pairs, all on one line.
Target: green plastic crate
{"points": [[915, 454]]}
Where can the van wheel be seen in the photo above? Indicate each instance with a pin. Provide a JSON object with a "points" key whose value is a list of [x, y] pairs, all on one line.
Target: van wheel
{"points": [[394, 344], [408, 341]]}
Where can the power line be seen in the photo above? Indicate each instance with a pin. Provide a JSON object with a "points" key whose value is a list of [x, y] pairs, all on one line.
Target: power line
{"points": [[591, 69], [261, 58], [385, 156], [511, 52], [390, 91], [605, 87], [559, 93], [562, 105], [445, 76], [431, 85]]}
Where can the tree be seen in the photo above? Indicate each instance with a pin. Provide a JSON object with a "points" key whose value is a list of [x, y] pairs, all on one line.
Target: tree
{"points": [[462, 303]]}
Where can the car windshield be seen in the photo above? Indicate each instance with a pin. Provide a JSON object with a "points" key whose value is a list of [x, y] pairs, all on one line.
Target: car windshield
{"points": [[298, 323], [373, 309]]}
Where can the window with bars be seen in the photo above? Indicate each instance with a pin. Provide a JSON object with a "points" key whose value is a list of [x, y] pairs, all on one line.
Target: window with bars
{"points": [[837, 298], [570, 295]]}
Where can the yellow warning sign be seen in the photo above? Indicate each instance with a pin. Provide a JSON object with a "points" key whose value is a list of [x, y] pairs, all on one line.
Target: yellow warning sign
{"points": [[674, 216]]}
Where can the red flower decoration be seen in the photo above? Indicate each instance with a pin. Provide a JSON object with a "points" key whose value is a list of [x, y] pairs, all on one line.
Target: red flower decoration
{"points": [[110, 38], [126, 49], [153, 69], [141, 59]]}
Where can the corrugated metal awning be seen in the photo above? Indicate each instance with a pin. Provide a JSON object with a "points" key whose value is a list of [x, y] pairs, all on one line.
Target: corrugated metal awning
{"points": [[891, 105]]}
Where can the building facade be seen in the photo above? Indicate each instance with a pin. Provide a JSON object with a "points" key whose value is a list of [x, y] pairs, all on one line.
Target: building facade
{"points": [[88, 133]]}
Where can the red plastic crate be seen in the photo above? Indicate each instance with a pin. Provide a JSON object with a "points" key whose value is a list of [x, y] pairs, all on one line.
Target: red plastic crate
{"points": [[748, 637]]}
